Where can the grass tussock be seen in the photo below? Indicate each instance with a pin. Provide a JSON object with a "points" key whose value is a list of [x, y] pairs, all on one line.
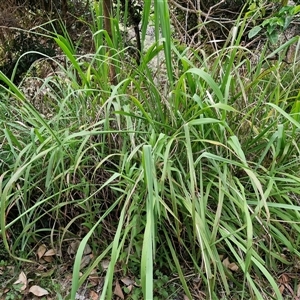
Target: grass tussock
{"points": [[199, 173]]}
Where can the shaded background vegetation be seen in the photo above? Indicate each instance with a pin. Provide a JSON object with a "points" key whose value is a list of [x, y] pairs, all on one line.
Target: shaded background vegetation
{"points": [[28, 26], [20, 21]]}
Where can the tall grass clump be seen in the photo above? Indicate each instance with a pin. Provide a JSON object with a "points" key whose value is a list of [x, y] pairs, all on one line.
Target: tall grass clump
{"points": [[193, 173]]}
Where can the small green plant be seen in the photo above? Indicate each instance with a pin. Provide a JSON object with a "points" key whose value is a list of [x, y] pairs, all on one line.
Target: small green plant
{"points": [[276, 24], [14, 292], [161, 287]]}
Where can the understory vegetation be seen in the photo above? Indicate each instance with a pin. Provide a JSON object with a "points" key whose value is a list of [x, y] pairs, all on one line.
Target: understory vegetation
{"points": [[179, 181]]}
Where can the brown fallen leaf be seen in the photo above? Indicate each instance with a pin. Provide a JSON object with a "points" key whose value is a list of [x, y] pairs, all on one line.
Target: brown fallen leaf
{"points": [[38, 291], [85, 261], [105, 264], [233, 267], [118, 290], [93, 295], [284, 278], [94, 278], [127, 281], [47, 259], [73, 247], [130, 288], [298, 290], [50, 252], [41, 251], [87, 250], [283, 281], [281, 288], [226, 262], [22, 280], [41, 268]]}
